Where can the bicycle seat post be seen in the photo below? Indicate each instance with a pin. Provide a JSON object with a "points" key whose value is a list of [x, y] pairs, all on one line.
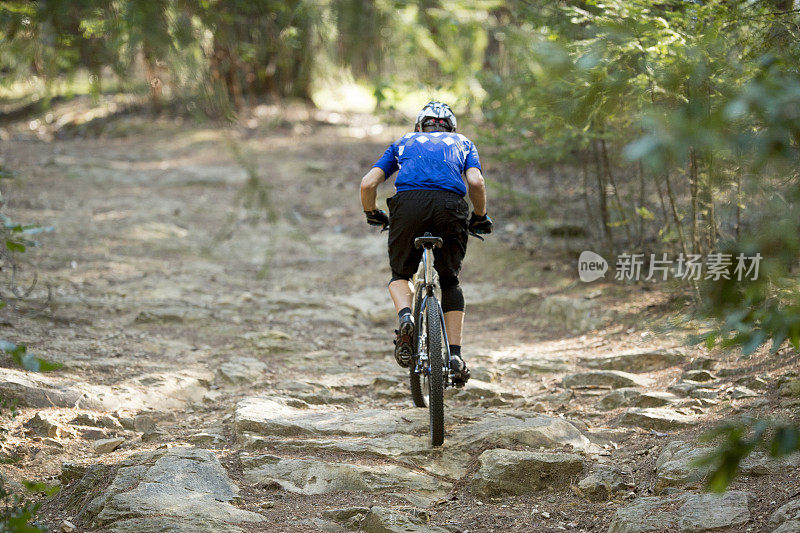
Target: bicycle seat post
{"points": [[429, 242]]}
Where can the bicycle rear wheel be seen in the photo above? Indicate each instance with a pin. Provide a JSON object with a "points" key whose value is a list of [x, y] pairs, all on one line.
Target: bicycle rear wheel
{"points": [[436, 378], [419, 382]]}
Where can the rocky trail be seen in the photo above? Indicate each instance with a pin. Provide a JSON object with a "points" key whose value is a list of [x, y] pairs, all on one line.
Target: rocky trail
{"points": [[219, 307]]}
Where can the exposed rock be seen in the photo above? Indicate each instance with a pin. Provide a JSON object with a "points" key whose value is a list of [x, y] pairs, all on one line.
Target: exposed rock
{"points": [[654, 399], [516, 472], [41, 391], [511, 428], [575, 314], [171, 313], [739, 393], [613, 379], [383, 520], [637, 362], [703, 393], [108, 445], [479, 390], [98, 421], [658, 418], [617, 398], [703, 363], [684, 512], [274, 417], [155, 433], [206, 439], [310, 476], [67, 527], [703, 512], [351, 517], [602, 483], [44, 425], [759, 463], [753, 382], [698, 375], [93, 433], [482, 373], [538, 366], [790, 388], [179, 489], [786, 519], [241, 370], [144, 422], [675, 465]]}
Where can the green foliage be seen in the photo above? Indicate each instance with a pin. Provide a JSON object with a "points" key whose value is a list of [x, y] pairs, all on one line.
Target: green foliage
{"points": [[16, 513], [738, 440], [20, 355]]}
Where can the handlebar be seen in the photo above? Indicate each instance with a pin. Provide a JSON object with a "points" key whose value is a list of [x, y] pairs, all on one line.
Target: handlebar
{"points": [[471, 233]]}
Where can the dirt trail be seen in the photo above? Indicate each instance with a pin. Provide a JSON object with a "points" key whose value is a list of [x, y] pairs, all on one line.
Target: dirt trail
{"points": [[191, 317]]}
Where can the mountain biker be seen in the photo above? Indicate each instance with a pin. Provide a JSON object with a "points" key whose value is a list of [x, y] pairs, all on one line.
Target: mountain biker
{"points": [[432, 162]]}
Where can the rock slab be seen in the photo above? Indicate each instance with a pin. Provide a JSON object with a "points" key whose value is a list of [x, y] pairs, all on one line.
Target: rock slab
{"points": [[517, 472], [311, 476], [176, 490], [684, 512], [604, 379]]}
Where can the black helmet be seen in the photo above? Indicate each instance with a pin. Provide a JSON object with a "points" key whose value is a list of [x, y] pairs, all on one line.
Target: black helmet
{"points": [[436, 113]]}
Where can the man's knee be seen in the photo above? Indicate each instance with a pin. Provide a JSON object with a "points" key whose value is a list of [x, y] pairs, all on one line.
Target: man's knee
{"points": [[452, 297]]}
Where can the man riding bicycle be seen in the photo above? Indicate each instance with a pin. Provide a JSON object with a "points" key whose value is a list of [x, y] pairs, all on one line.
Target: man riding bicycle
{"points": [[430, 197]]}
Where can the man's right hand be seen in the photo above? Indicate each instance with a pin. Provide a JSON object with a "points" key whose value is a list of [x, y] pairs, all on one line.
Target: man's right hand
{"points": [[377, 217], [480, 225]]}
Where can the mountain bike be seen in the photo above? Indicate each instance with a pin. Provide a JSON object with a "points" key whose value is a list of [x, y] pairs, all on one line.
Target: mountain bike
{"points": [[430, 369]]}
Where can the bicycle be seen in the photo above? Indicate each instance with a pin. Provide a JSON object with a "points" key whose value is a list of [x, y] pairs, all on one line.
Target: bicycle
{"points": [[430, 369]]}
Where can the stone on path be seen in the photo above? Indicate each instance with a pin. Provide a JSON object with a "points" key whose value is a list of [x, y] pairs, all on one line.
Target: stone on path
{"points": [[602, 483], [575, 314], [511, 428], [275, 417], [786, 519], [95, 420], [108, 445], [43, 425], [636, 362], [658, 418], [684, 512], [383, 520], [613, 379], [790, 388], [698, 375], [617, 398], [40, 391], [176, 490], [675, 465], [517, 472], [311, 476], [241, 370]]}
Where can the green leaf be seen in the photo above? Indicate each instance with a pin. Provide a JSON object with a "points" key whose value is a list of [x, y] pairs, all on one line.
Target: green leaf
{"points": [[39, 487], [15, 246], [645, 213]]}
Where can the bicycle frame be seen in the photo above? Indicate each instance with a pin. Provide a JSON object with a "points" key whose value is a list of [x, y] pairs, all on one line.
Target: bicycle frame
{"points": [[429, 286]]}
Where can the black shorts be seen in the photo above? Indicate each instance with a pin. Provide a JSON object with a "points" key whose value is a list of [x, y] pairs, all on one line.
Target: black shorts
{"points": [[443, 214]]}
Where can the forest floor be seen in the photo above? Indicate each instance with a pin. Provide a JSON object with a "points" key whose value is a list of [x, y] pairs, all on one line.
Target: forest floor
{"points": [[219, 306]]}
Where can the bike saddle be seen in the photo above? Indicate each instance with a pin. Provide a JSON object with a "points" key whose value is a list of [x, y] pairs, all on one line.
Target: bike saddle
{"points": [[428, 241]]}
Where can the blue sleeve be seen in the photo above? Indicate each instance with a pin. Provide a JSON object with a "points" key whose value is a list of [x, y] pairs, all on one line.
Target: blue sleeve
{"points": [[472, 159], [388, 162]]}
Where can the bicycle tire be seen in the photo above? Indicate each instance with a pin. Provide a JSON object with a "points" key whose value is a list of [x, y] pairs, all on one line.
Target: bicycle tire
{"points": [[417, 388], [436, 378]]}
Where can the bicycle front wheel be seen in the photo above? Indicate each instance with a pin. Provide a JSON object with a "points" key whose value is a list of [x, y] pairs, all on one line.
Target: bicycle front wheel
{"points": [[436, 378]]}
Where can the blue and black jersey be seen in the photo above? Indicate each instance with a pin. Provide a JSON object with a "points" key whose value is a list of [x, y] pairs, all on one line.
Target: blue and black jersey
{"points": [[430, 161]]}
